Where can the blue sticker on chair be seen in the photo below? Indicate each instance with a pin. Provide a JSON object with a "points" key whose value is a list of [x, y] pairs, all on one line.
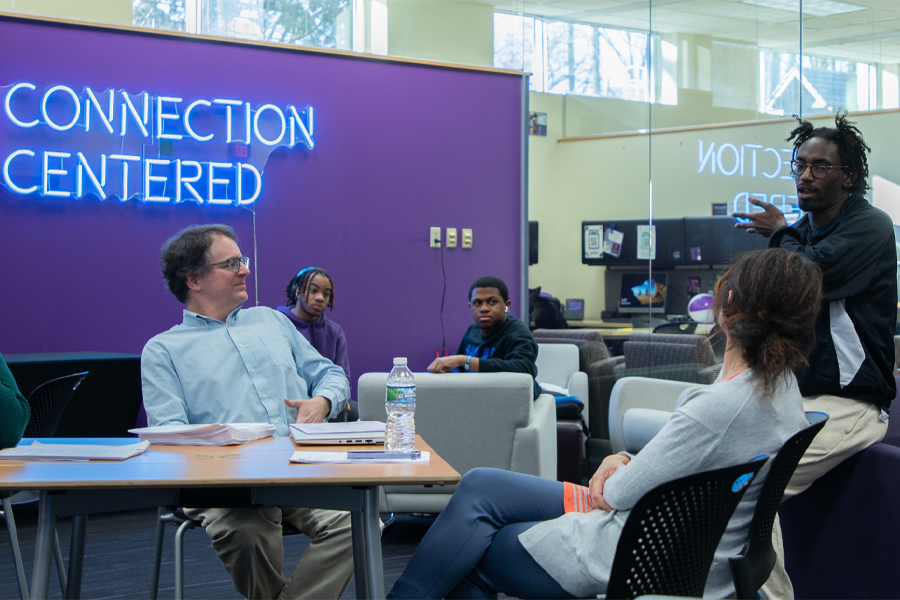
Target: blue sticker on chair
{"points": [[742, 481]]}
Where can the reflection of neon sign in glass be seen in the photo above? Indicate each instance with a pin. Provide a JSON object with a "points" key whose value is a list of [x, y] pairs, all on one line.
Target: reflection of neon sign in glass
{"points": [[71, 145], [751, 160]]}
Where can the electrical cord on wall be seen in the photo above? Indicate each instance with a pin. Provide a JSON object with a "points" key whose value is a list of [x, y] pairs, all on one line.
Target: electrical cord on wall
{"points": [[443, 296]]}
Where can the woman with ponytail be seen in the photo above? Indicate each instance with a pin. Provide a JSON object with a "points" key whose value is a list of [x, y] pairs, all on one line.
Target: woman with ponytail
{"points": [[533, 538]]}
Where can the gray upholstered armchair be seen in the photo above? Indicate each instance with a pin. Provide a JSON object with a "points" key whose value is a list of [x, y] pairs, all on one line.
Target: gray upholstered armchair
{"points": [[679, 357], [594, 359], [471, 420]]}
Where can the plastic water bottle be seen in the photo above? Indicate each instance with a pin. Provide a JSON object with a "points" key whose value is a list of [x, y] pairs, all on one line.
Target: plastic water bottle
{"points": [[400, 405]]}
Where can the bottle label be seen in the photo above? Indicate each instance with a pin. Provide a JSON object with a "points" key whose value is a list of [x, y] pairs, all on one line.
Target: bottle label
{"points": [[400, 394]]}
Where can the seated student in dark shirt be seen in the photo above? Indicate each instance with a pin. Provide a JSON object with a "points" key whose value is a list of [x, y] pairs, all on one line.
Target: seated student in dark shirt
{"points": [[497, 342]]}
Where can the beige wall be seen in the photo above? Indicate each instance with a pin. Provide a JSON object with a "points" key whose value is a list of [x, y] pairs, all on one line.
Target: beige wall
{"points": [[460, 32], [116, 12]]}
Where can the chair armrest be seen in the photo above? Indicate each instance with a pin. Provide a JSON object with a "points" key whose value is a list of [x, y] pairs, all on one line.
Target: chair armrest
{"points": [[605, 366], [534, 448], [578, 387], [640, 392], [640, 425]]}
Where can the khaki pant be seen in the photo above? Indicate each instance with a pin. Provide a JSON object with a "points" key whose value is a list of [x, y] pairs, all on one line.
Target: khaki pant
{"points": [[248, 542], [852, 426]]}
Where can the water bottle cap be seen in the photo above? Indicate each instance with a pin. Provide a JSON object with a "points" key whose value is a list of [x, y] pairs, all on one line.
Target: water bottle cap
{"points": [[400, 360]]}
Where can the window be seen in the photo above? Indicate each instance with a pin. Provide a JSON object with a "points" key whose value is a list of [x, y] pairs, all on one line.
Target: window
{"points": [[574, 58]]}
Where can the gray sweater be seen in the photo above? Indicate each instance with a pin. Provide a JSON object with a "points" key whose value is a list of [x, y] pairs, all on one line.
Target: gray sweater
{"points": [[712, 427]]}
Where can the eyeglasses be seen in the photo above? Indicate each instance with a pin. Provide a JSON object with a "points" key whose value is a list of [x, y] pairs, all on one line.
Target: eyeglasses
{"points": [[798, 168], [234, 264]]}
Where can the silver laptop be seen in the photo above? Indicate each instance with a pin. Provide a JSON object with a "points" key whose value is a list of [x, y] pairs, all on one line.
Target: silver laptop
{"points": [[353, 432]]}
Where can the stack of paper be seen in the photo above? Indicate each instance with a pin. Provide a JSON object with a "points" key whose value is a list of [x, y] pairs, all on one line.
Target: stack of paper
{"points": [[39, 451], [214, 434]]}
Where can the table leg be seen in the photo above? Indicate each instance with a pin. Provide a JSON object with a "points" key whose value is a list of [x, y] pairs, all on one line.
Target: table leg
{"points": [[368, 566], [76, 557], [43, 550]]}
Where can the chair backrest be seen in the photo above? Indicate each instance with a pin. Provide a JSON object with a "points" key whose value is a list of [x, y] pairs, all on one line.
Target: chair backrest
{"points": [[752, 567], [676, 356], [676, 328], [590, 343], [48, 401], [556, 363], [670, 538]]}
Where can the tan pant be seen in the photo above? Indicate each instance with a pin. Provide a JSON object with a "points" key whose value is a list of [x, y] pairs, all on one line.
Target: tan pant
{"points": [[852, 426], [248, 542]]}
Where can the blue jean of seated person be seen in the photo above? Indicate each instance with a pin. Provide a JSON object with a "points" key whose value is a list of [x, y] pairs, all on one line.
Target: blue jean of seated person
{"points": [[473, 551]]}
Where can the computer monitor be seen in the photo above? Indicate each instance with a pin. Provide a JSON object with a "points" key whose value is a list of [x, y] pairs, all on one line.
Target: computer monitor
{"points": [[640, 293]]}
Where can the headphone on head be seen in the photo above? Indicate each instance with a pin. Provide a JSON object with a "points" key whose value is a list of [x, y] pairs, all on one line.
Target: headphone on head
{"points": [[506, 309]]}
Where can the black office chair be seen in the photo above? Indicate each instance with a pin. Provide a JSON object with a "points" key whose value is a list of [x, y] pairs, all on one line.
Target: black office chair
{"points": [[752, 567], [47, 402], [670, 538]]}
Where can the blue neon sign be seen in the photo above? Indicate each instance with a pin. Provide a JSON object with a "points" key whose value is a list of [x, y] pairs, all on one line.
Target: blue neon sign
{"points": [[162, 149]]}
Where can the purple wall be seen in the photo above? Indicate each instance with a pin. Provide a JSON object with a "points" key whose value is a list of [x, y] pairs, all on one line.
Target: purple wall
{"points": [[399, 148]]}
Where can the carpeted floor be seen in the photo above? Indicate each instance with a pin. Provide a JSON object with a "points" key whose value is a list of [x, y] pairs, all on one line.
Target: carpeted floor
{"points": [[118, 560]]}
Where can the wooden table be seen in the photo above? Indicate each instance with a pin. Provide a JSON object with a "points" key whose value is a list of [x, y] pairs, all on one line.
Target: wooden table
{"points": [[255, 474]]}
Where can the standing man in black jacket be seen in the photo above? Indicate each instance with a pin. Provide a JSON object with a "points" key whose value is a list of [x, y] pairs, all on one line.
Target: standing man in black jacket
{"points": [[850, 371], [497, 342]]}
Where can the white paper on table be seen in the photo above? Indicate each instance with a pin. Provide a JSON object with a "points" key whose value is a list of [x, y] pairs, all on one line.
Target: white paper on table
{"points": [[350, 427], [313, 457], [39, 451], [212, 434]]}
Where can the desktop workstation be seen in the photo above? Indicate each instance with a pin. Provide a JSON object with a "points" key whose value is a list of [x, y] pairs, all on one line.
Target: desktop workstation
{"points": [[653, 269]]}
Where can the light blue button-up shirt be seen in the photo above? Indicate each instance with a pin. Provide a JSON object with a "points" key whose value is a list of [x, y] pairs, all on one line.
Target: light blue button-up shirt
{"points": [[239, 371]]}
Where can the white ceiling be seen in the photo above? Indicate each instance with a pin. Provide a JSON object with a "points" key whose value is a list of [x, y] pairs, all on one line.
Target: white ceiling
{"points": [[870, 35]]}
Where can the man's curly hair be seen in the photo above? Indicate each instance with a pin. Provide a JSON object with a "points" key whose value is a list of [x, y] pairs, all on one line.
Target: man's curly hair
{"points": [[851, 147]]}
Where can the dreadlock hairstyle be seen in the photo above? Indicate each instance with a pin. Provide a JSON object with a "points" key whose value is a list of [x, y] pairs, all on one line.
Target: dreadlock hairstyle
{"points": [[771, 314], [851, 147], [299, 285]]}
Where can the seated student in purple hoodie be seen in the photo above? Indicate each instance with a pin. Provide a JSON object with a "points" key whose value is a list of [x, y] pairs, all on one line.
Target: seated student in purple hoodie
{"points": [[309, 293]]}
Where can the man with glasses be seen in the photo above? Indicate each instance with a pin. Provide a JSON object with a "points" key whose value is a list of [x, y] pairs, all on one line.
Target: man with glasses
{"points": [[850, 371], [227, 364]]}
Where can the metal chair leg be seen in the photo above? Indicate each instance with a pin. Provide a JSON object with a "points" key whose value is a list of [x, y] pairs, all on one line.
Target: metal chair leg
{"points": [[17, 553], [179, 557]]}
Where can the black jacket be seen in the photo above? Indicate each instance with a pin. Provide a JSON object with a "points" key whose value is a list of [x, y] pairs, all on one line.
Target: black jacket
{"points": [[509, 349], [858, 254]]}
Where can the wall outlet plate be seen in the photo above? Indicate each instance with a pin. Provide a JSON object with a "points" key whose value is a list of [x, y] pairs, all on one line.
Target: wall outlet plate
{"points": [[451, 237], [466, 238], [434, 237]]}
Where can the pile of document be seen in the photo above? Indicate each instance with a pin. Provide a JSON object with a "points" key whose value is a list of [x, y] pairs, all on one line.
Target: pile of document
{"points": [[44, 451], [214, 434]]}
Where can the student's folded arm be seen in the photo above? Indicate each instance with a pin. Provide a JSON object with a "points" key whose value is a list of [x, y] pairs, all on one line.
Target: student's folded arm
{"points": [[679, 449], [161, 388]]}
